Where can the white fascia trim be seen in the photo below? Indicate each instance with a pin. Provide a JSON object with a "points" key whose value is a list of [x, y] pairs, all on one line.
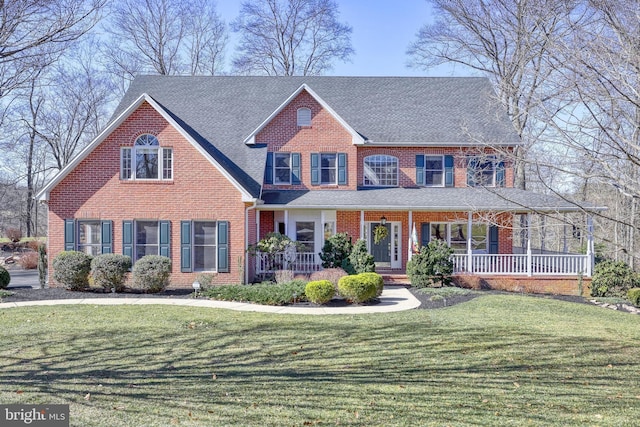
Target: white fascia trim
{"points": [[356, 138], [43, 195], [396, 208], [440, 144]]}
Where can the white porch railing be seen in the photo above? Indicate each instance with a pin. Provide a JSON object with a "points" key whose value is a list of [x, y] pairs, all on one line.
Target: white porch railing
{"points": [[300, 262], [522, 264]]}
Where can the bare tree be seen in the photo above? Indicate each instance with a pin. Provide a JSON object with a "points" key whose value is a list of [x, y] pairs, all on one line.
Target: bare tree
{"points": [[34, 32], [290, 37], [507, 41], [166, 37]]}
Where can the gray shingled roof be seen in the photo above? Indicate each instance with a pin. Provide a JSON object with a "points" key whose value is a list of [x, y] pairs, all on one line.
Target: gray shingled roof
{"points": [[422, 199], [220, 112]]}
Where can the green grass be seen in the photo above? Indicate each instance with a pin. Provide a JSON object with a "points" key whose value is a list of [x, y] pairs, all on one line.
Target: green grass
{"points": [[496, 360]]}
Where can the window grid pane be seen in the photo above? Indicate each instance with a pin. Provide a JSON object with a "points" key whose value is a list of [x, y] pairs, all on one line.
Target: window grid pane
{"points": [[434, 171], [90, 237], [282, 168], [381, 170], [204, 245], [305, 235], [125, 168], [167, 163], [328, 169], [147, 238]]}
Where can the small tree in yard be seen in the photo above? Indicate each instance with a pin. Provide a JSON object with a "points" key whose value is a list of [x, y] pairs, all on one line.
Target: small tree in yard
{"points": [[272, 245], [613, 279], [360, 260], [432, 266], [336, 250]]}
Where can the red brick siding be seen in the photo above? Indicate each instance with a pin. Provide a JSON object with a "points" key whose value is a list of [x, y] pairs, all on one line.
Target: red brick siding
{"points": [[325, 135], [93, 190]]}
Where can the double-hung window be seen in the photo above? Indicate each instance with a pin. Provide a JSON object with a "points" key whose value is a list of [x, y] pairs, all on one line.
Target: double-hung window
{"points": [[434, 171], [146, 160], [146, 237], [328, 168], [282, 168], [204, 246], [305, 235], [91, 236], [485, 171], [381, 170], [458, 241]]}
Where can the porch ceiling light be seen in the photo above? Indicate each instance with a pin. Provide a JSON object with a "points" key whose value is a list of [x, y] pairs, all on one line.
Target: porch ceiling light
{"points": [[383, 220]]}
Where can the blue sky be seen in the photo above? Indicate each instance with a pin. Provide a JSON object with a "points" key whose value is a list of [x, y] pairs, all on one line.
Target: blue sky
{"points": [[382, 32]]}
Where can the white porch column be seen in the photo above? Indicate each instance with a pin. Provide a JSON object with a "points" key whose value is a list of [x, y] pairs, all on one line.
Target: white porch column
{"points": [[410, 234], [529, 257], [590, 249], [286, 224], [469, 243], [362, 225]]}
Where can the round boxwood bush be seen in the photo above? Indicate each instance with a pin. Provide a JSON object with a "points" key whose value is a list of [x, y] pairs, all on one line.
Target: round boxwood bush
{"points": [[356, 288], [634, 296], [71, 270], [376, 279], [5, 278], [319, 291], [613, 279], [152, 273], [109, 271]]}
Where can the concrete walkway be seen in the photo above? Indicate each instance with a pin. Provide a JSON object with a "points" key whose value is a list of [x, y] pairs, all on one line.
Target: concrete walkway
{"points": [[392, 299]]}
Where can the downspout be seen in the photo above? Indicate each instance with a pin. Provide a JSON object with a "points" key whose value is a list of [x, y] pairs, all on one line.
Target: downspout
{"points": [[246, 239]]}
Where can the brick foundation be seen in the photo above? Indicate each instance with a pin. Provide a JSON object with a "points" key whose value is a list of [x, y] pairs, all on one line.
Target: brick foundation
{"points": [[530, 285]]}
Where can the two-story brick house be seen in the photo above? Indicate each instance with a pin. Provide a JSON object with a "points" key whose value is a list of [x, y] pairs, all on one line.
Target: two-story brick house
{"points": [[199, 168]]}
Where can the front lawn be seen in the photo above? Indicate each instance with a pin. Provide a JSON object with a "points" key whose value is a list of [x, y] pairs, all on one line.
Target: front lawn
{"points": [[495, 360]]}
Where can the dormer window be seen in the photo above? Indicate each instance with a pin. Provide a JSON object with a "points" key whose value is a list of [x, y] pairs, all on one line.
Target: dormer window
{"points": [[304, 116], [146, 160]]}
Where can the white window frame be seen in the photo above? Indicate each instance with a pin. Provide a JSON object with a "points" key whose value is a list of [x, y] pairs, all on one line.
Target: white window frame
{"points": [[135, 238], [128, 156], [447, 232], [303, 117], [90, 243], [311, 242], [334, 168], [476, 173], [386, 163], [275, 168], [194, 245], [427, 170], [474, 247]]}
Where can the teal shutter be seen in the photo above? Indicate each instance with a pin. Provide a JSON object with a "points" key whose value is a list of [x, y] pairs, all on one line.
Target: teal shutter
{"points": [[425, 233], [315, 169], [295, 168], [165, 238], [268, 171], [127, 238], [69, 235], [472, 165], [185, 247], [342, 168], [223, 246], [449, 180], [493, 239], [500, 174], [107, 239], [420, 169]]}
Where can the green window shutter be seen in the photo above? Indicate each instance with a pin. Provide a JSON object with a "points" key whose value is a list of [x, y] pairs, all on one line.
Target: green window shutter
{"points": [[127, 238], [425, 233], [420, 169], [268, 171], [107, 237], [185, 247], [223, 246], [448, 172], [69, 235], [471, 171], [165, 238], [500, 174], [493, 239], [295, 168], [315, 169], [342, 168]]}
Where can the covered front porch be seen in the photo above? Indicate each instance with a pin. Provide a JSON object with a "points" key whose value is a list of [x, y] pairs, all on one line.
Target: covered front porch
{"points": [[483, 235]]}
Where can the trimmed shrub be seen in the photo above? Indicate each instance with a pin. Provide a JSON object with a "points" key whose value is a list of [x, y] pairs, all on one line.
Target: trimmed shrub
{"points": [[152, 273], [634, 296], [330, 274], [109, 271], [360, 260], [357, 289], [267, 293], [5, 278], [28, 260], [336, 250], [376, 279], [71, 270], [432, 266], [319, 291], [613, 279]]}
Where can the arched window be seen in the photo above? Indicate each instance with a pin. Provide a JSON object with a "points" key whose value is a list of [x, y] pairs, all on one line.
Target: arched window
{"points": [[381, 170], [304, 116], [146, 160]]}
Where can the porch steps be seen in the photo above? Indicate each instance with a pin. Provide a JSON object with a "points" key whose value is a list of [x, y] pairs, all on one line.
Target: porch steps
{"points": [[391, 277]]}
